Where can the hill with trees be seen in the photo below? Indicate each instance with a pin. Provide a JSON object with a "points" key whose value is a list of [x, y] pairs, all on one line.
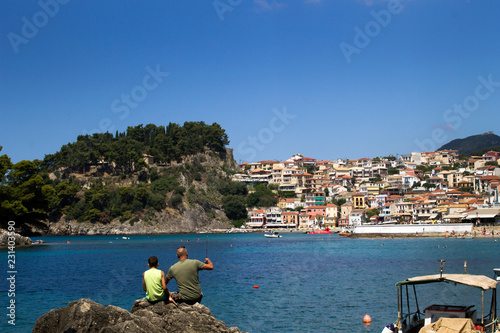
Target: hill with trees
{"points": [[154, 175], [473, 143]]}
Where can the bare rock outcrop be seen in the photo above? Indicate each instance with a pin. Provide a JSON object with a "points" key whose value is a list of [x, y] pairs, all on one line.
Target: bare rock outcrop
{"points": [[18, 239], [167, 222], [86, 315]]}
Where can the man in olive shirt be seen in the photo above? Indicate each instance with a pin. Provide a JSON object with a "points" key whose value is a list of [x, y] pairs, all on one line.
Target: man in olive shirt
{"points": [[185, 273]]}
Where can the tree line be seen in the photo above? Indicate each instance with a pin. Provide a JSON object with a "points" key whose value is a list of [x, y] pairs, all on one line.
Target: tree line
{"points": [[124, 151]]}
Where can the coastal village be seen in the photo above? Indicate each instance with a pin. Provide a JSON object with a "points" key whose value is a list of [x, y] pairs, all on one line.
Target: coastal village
{"points": [[427, 187]]}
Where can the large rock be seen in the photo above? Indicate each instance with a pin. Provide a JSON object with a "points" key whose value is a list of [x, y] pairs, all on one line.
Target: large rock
{"points": [[86, 315], [19, 240]]}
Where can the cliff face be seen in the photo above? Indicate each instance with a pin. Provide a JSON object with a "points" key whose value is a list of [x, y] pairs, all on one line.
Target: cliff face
{"points": [[85, 315], [191, 221]]}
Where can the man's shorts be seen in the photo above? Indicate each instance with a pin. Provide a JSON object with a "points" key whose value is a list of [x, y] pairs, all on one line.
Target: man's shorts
{"points": [[178, 299]]}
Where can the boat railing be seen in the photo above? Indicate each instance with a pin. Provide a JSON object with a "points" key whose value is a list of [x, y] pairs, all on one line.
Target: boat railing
{"points": [[414, 318]]}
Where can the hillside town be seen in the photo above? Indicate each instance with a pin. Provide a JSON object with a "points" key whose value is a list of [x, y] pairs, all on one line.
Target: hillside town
{"points": [[426, 187]]}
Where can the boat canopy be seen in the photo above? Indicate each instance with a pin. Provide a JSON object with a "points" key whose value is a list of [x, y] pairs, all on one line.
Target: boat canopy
{"points": [[479, 281]]}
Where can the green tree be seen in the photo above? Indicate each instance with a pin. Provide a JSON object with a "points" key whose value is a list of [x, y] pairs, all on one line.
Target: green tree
{"points": [[5, 166], [126, 194], [234, 207], [339, 202], [262, 197], [393, 171], [141, 195], [372, 212]]}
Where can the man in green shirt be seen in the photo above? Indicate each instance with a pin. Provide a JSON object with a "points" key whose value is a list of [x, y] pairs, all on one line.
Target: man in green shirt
{"points": [[185, 273]]}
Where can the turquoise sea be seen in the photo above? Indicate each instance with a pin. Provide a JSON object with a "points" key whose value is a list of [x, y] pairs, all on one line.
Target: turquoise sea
{"points": [[307, 283]]}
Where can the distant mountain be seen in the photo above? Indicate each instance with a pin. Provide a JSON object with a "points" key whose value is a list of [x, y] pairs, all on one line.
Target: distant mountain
{"points": [[473, 143]]}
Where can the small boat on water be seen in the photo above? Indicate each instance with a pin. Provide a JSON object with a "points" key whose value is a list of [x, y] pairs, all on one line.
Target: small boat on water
{"points": [[273, 235], [326, 231], [458, 317]]}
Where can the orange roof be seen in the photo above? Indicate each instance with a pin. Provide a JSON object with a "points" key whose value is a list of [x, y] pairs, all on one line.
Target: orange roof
{"points": [[490, 178], [454, 192]]}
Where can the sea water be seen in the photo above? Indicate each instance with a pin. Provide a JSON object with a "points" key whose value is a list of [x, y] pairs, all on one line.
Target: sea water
{"points": [[297, 283]]}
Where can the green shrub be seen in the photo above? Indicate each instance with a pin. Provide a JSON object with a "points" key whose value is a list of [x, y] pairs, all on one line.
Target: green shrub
{"points": [[176, 200], [93, 214], [127, 215], [132, 221], [156, 201]]}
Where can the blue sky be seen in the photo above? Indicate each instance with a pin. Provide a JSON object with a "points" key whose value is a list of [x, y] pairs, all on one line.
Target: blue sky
{"points": [[327, 79]]}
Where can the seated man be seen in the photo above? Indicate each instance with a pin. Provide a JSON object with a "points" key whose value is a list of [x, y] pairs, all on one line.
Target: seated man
{"points": [[153, 283], [185, 273]]}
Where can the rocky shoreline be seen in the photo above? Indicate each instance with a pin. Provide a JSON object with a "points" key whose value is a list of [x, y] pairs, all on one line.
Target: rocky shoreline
{"points": [[191, 221], [86, 315], [19, 240]]}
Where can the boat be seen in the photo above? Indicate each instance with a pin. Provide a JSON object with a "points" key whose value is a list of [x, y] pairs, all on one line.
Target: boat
{"points": [[346, 232], [273, 235], [326, 231], [464, 318]]}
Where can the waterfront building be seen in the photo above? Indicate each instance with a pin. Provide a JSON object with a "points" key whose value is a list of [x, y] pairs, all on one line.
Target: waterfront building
{"points": [[332, 213], [257, 220], [290, 219], [315, 198]]}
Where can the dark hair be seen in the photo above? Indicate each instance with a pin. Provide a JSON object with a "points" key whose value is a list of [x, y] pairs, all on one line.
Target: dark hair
{"points": [[153, 261]]}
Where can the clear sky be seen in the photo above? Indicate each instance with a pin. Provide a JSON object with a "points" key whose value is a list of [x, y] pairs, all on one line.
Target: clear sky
{"points": [[325, 78]]}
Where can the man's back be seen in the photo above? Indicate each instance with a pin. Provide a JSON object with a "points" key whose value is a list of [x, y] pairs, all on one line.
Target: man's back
{"points": [[185, 273]]}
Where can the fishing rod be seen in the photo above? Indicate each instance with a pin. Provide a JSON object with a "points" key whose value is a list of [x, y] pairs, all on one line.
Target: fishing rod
{"points": [[206, 248]]}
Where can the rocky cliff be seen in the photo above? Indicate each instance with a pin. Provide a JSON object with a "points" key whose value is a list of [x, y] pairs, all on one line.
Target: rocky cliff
{"points": [[18, 239], [86, 315], [191, 221]]}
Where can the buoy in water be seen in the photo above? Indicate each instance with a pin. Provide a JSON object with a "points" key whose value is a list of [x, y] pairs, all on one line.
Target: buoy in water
{"points": [[367, 319], [256, 287]]}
